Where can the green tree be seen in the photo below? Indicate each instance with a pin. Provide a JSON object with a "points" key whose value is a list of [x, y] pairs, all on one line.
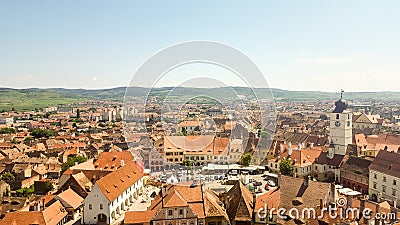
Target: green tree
{"points": [[48, 186], [187, 163], [25, 192], [71, 162], [40, 133], [246, 159], [7, 130], [286, 167], [184, 133], [264, 134], [7, 177]]}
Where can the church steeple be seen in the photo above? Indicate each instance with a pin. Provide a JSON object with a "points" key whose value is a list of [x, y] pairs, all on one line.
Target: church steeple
{"points": [[341, 104]]}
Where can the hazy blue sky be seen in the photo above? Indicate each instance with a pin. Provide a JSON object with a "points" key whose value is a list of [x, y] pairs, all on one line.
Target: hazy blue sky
{"points": [[299, 45]]}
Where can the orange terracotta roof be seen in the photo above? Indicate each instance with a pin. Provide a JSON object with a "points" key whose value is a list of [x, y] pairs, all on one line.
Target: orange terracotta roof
{"points": [[135, 217], [70, 199], [112, 160], [181, 195], [270, 199], [52, 215], [191, 123], [113, 184], [195, 143]]}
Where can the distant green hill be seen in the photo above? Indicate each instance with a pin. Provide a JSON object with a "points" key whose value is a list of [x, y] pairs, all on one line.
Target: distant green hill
{"points": [[29, 99]]}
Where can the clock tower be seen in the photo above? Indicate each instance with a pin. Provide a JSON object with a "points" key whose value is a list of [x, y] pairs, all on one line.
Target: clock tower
{"points": [[341, 133]]}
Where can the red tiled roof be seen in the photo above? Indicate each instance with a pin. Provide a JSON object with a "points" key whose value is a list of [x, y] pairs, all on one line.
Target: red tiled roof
{"points": [[113, 184], [112, 160], [50, 216]]}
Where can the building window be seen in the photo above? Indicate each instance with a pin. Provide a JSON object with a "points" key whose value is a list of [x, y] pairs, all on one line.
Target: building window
{"points": [[374, 175], [394, 192], [384, 179], [394, 182], [169, 212], [383, 188], [101, 206], [374, 185], [181, 212], [337, 116], [90, 206]]}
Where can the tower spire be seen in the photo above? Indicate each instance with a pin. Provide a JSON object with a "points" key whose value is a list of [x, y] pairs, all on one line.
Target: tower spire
{"points": [[341, 94]]}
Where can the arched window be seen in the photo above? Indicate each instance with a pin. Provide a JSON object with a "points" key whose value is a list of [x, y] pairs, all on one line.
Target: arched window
{"points": [[337, 116]]}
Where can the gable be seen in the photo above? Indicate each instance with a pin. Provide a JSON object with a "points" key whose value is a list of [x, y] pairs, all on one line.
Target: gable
{"points": [[363, 119]]}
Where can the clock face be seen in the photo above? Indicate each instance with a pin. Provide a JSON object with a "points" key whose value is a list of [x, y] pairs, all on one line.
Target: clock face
{"points": [[337, 124]]}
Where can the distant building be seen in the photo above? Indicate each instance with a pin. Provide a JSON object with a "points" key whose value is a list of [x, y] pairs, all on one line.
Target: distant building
{"points": [[371, 145], [364, 121], [6, 120]]}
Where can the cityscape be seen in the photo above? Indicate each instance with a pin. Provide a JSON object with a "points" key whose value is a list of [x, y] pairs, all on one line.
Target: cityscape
{"points": [[210, 127]]}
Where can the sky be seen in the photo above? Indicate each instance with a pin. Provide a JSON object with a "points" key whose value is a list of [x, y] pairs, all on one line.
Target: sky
{"points": [[298, 45]]}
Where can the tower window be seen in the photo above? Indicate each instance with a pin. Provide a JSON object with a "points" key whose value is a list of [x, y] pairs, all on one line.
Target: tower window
{"points": [[337, 116]]}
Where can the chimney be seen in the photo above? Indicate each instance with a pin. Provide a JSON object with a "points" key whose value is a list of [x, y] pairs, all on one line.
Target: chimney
{"points": [[379, 197], [362, 207], [122, 162], [311, 145], [349, 200], [254, 207], [377, 220], [307, 180], [164, 192]]}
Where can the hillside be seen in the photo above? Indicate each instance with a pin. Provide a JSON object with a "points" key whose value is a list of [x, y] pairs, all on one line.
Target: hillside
{"points": [[25, 99]]}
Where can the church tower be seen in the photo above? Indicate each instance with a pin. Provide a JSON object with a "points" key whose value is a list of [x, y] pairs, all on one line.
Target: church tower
{"points": [[340, 128]]}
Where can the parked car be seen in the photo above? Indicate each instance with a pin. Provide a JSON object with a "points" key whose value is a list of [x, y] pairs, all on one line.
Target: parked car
{"points": [[257, 183], [271, 183]]}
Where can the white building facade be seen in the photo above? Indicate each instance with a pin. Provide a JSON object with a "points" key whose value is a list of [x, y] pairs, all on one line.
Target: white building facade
{"points": [[112, 194]]}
